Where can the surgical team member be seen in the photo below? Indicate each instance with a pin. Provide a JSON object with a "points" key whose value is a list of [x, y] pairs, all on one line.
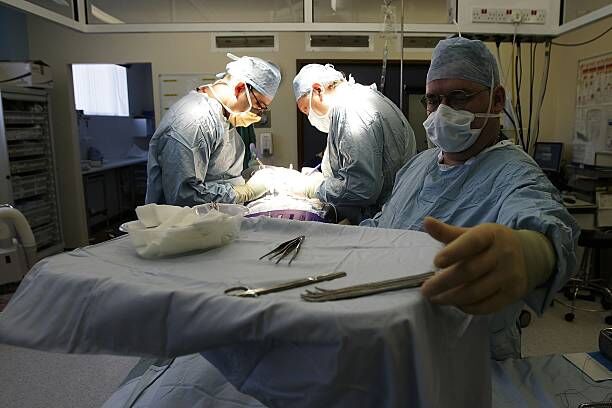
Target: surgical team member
{"points": [[368, 141], [508, 238], [196, 155]]}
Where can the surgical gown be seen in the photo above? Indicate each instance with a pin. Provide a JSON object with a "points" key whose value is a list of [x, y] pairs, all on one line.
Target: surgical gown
{"points": [[194, 156], [369, 140], [501, 185]]}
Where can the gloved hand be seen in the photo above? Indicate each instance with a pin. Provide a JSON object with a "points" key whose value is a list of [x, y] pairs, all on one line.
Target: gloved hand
{"points": [[243, 119], [307, 186], [259, 186], [252, 190], [482, 270]]}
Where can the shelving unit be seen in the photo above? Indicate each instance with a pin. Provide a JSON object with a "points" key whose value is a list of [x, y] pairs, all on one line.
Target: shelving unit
{"points": [[28, 178]]}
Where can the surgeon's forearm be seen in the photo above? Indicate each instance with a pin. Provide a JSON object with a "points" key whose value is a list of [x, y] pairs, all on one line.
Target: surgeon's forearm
{"points": [[340, 192], [539, 255]]}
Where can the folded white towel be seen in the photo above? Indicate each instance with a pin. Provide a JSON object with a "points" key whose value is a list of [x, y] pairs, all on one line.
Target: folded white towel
{"points": [[151, 215], [168, 230]]}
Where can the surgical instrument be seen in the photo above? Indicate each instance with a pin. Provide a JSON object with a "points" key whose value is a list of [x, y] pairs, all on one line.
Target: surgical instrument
{"points": [[285, 249], [244, 291], [310, 173], [366, 289]]}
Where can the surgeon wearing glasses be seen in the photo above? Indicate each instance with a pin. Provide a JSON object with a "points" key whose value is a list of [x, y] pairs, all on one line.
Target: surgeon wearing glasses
{"points": [[368, 141], [196, 155], [508, 238]]}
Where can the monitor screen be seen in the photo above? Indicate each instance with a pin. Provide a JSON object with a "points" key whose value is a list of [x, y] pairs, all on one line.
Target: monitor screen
{"points": [[548, 155]]}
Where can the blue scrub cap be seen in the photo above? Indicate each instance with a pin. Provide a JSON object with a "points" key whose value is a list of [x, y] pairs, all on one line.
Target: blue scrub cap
{"points": [[460, 58], [262, 75], [314, 73]]}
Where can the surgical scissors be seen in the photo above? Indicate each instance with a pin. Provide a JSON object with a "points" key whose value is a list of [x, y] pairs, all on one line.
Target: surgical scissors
{"points": [[285, 249], [244, 291]]}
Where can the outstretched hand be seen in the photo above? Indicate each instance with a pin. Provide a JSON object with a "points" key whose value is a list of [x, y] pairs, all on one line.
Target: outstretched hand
{"points": [[482, 269]]}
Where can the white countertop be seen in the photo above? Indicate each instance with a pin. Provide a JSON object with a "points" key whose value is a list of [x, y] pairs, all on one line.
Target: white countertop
{"points": [[113, 164]]}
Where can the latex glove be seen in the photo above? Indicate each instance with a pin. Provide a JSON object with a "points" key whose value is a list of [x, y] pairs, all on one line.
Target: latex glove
{"points": [[252, 190], [483, 268], [307, 186], [259, 186], [243, 119]]}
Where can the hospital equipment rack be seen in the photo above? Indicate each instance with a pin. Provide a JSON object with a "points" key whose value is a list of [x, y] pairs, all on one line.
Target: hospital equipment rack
{"points": [[28, 178]]}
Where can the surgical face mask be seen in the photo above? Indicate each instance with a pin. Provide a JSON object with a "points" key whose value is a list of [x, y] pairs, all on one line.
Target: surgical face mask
{"points": [[241, 119], [320, 122], [450, 129]]}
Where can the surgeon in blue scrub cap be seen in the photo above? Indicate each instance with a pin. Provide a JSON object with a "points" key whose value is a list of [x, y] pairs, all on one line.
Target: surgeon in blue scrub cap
{"points": [[196, 155], [508, 239], [368, 141]]}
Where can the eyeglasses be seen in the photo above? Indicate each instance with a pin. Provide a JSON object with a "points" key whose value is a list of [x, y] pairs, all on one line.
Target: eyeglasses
{"points": [[456, 99], [261, 107]]}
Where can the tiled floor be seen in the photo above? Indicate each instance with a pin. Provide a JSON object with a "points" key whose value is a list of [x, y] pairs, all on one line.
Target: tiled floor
{"points": [[552, 334]]}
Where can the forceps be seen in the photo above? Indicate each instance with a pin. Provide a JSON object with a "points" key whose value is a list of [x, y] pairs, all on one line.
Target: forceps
{"points": [[285, 249], [244, 291], [366, 289]]}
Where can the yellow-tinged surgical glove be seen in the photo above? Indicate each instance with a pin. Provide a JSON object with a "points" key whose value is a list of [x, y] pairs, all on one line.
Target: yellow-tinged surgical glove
{"points": [[307, 186], [540, 257], [482, 269], [250, 191], [243, 119], [259, 186], [314, 181]]}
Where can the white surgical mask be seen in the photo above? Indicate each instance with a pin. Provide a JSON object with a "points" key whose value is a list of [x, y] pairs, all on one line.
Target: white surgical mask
{"points": [[450, 129], [320, 122]]}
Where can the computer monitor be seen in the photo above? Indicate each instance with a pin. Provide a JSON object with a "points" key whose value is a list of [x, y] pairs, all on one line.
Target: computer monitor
{"points": [[548, 156]]}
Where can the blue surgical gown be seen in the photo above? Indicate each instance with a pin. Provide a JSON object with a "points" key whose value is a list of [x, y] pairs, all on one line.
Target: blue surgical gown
{"points": [[194, 156], [501, 185], [369, 140]]}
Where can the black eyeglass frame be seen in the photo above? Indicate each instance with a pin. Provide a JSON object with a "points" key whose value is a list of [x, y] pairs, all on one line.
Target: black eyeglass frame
{"points": [[262, 106], [456, 99]]}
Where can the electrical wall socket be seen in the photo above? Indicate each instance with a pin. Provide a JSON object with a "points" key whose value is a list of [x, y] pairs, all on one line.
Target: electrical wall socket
{"points": [[508, 15]]}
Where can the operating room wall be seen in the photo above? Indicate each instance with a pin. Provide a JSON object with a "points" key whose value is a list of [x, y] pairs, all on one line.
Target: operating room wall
{"points": [[169, 53], [13, 35], [191, 53], [561, 95]]}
